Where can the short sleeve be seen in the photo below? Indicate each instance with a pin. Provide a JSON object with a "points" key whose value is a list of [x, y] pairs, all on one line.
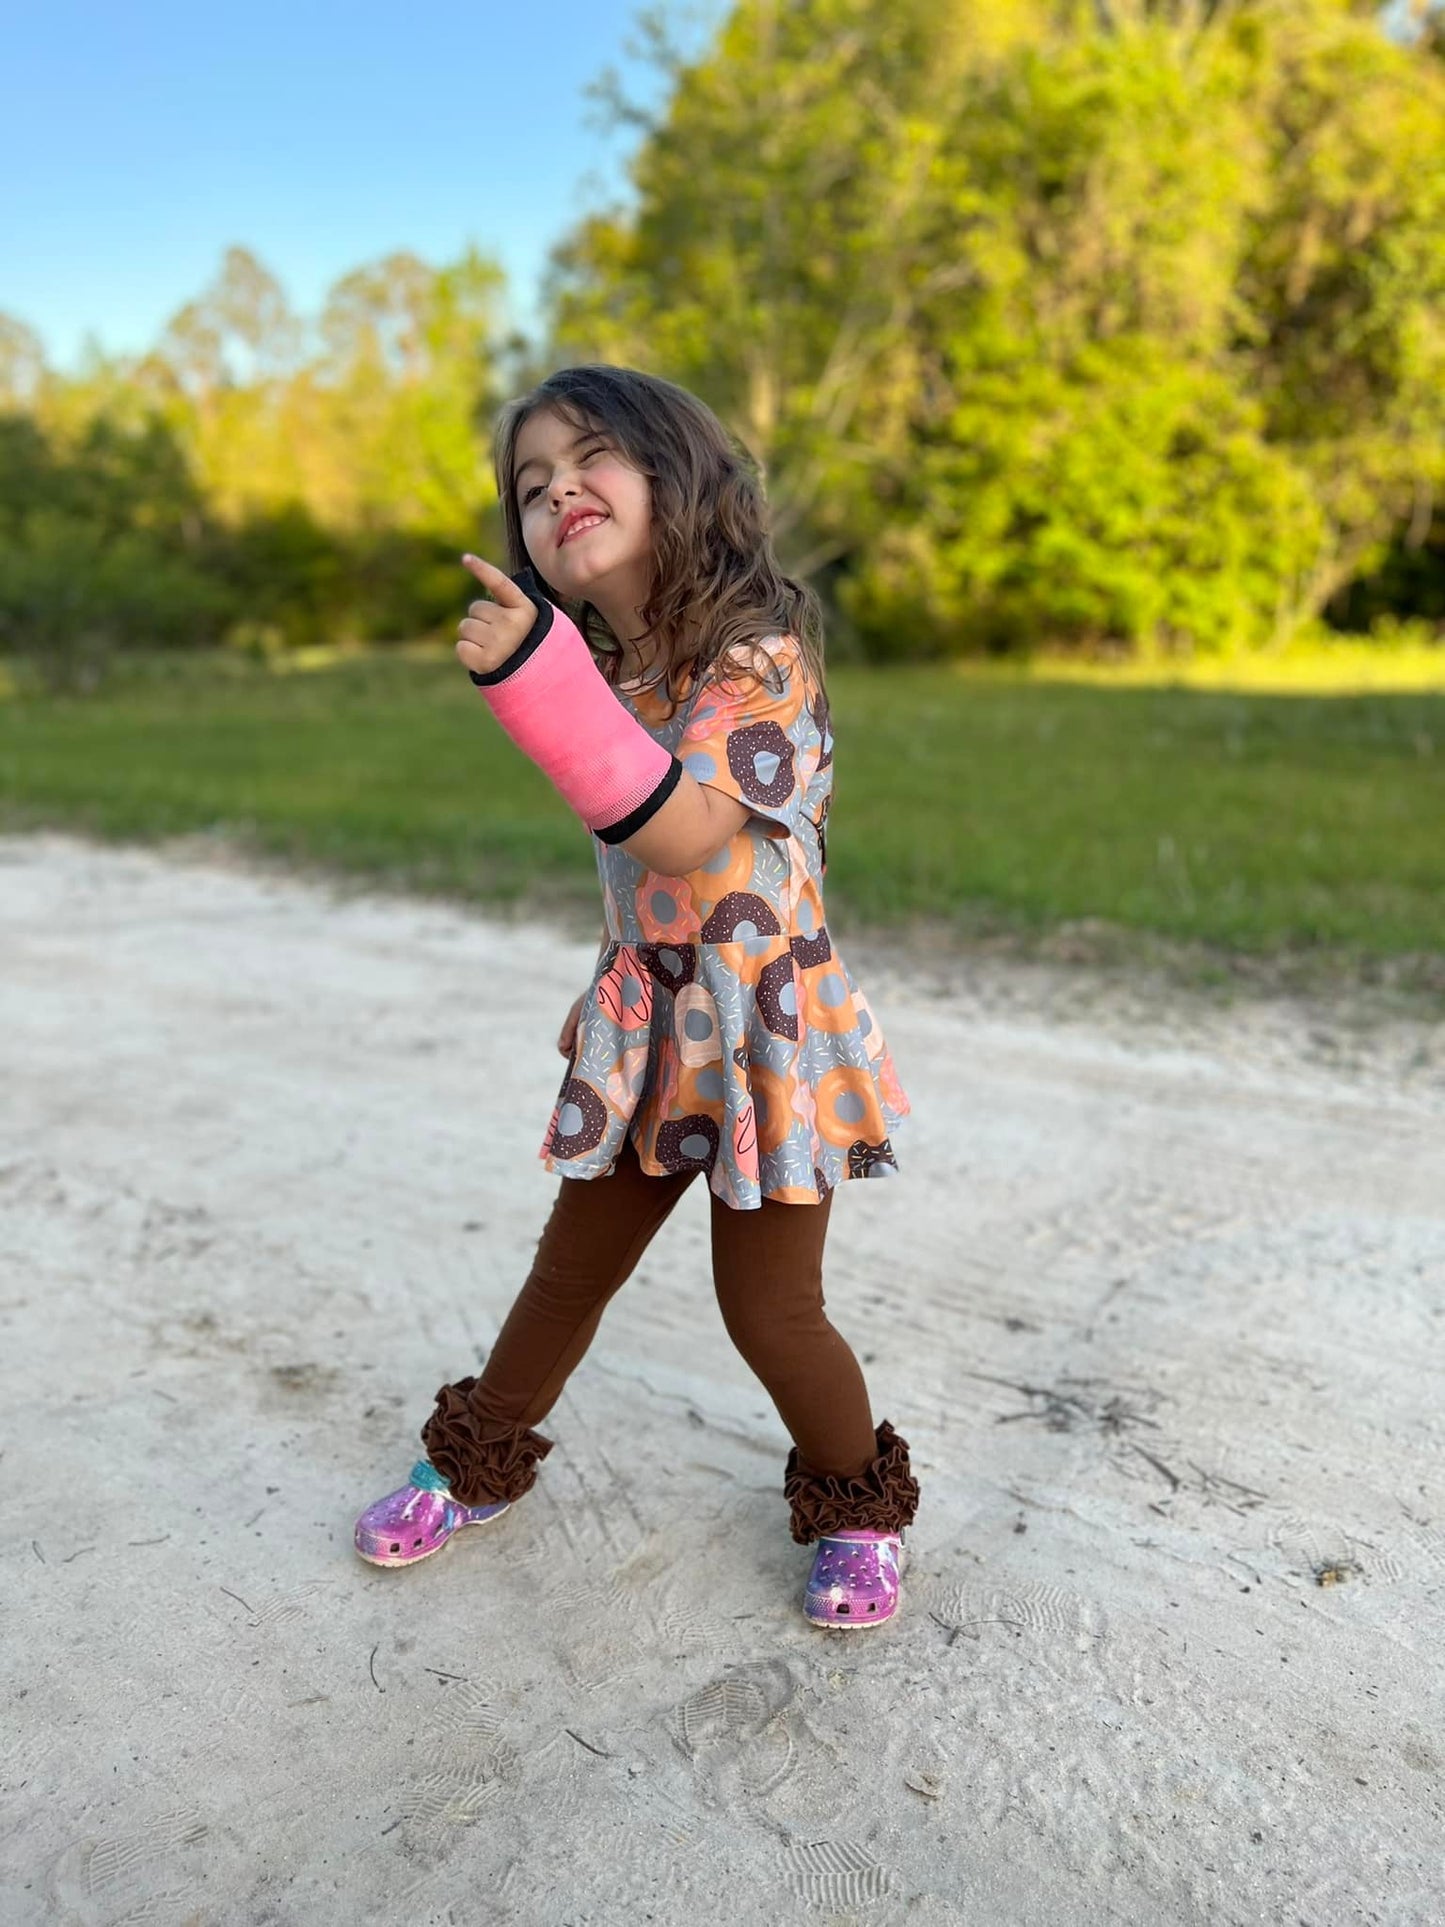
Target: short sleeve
{"points": [[759, 739]]}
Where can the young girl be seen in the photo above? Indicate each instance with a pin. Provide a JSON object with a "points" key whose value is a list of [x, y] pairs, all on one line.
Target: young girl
{"points": [[686, 722]]}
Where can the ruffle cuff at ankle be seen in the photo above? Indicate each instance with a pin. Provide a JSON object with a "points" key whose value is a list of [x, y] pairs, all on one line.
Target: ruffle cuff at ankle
{"points": [[881, 1498], [481, 1461]]}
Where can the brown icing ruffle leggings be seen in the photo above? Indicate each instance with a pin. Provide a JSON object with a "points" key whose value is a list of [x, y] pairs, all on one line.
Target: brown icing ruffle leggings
{"points": [[768, 1274]]}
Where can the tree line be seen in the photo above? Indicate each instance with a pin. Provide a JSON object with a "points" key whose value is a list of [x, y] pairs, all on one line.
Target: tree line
{"points": [[1116, 326]]}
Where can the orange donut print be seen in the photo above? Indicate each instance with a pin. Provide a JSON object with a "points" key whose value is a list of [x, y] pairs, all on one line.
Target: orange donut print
{"points": [[665, 909], [624, 1081], [848, 1106], [772, 1107], [690, 1091], [827, 1000], [730, 870], [644, 1137]]}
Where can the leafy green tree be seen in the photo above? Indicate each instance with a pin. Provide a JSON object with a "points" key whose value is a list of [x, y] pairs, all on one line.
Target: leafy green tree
{"points": [[1117, 324], [97, 543], [22, 362], [263, 477], [1106, 322], [406, 369], [1343, 282]]}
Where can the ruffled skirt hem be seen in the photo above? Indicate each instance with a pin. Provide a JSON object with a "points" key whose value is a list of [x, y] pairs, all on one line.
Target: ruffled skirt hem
{"points": [[863, 1160]]}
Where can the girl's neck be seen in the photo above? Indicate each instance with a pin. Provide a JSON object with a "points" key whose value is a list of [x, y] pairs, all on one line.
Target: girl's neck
{"points": [[644, 660], [638, 670], [643, 657]]}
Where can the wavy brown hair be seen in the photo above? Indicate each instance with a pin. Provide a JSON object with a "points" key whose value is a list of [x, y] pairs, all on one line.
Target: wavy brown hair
{"points": [[717, 589]]}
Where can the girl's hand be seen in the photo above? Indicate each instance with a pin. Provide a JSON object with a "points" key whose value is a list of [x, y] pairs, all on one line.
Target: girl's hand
{"points": [[492, 631], [568, 1036]]}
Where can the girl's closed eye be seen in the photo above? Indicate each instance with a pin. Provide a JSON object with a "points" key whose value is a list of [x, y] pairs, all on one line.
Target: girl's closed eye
{"points": [[598, 448]]}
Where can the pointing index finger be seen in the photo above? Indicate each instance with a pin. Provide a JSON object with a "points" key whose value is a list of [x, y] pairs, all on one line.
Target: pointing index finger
{"points": [[500, 587]]}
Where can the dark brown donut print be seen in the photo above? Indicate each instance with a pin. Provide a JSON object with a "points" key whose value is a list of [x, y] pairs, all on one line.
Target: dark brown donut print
{"points": [[669, 964], [739, 906], [592, 1114], [768, 742], [687, 1144], [863, 1157], [772, 980], [812, 950], [822, 722]]}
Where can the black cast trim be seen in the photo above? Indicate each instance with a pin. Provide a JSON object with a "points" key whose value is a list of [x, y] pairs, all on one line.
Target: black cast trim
{"points": [[530, 643], [644, 813]]}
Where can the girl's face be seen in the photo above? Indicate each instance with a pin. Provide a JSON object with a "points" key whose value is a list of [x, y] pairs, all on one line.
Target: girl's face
{"points": [[586, 511]]}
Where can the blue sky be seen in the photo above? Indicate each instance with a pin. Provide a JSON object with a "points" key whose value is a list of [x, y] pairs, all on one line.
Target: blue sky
{"points": [[137, 143]]}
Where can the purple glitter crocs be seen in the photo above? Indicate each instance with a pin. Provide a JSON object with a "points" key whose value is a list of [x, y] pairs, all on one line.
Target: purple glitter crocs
{"points": [[417, 1520], [854, 1581]]}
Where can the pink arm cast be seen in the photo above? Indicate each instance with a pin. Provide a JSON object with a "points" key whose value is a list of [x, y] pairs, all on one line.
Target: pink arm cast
{"points": [[556, 705]]}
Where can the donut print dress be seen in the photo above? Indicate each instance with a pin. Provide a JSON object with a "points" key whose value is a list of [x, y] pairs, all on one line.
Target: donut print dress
{"points": [[722, 1029]]}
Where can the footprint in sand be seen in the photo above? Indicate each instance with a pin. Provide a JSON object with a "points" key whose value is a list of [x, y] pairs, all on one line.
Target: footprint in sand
{"points": [[464, 1761], [1428, 1545], [734, 1731], [471, 1755], [597, 1637], [838, 1875], [736, 1707], [1026, 1609], [613, 1632], [283, 1608], [685, 1633], [133, 1875], [451, 1796], [1327, 1555], [467, 1711]]}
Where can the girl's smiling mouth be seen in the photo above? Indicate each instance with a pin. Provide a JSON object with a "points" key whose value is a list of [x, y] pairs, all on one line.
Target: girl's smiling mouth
{"points": [[579, 524]]}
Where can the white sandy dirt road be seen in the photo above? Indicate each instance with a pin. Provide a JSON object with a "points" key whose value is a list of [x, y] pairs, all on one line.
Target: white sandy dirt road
{"points": [[1158, 1300]]}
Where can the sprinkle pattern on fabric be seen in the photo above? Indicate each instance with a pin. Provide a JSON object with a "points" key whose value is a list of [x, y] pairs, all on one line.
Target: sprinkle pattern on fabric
{"points": [[722, 1029]]}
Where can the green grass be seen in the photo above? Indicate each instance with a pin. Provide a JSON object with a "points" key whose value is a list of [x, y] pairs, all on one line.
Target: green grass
{"points": [[986, 801]]}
